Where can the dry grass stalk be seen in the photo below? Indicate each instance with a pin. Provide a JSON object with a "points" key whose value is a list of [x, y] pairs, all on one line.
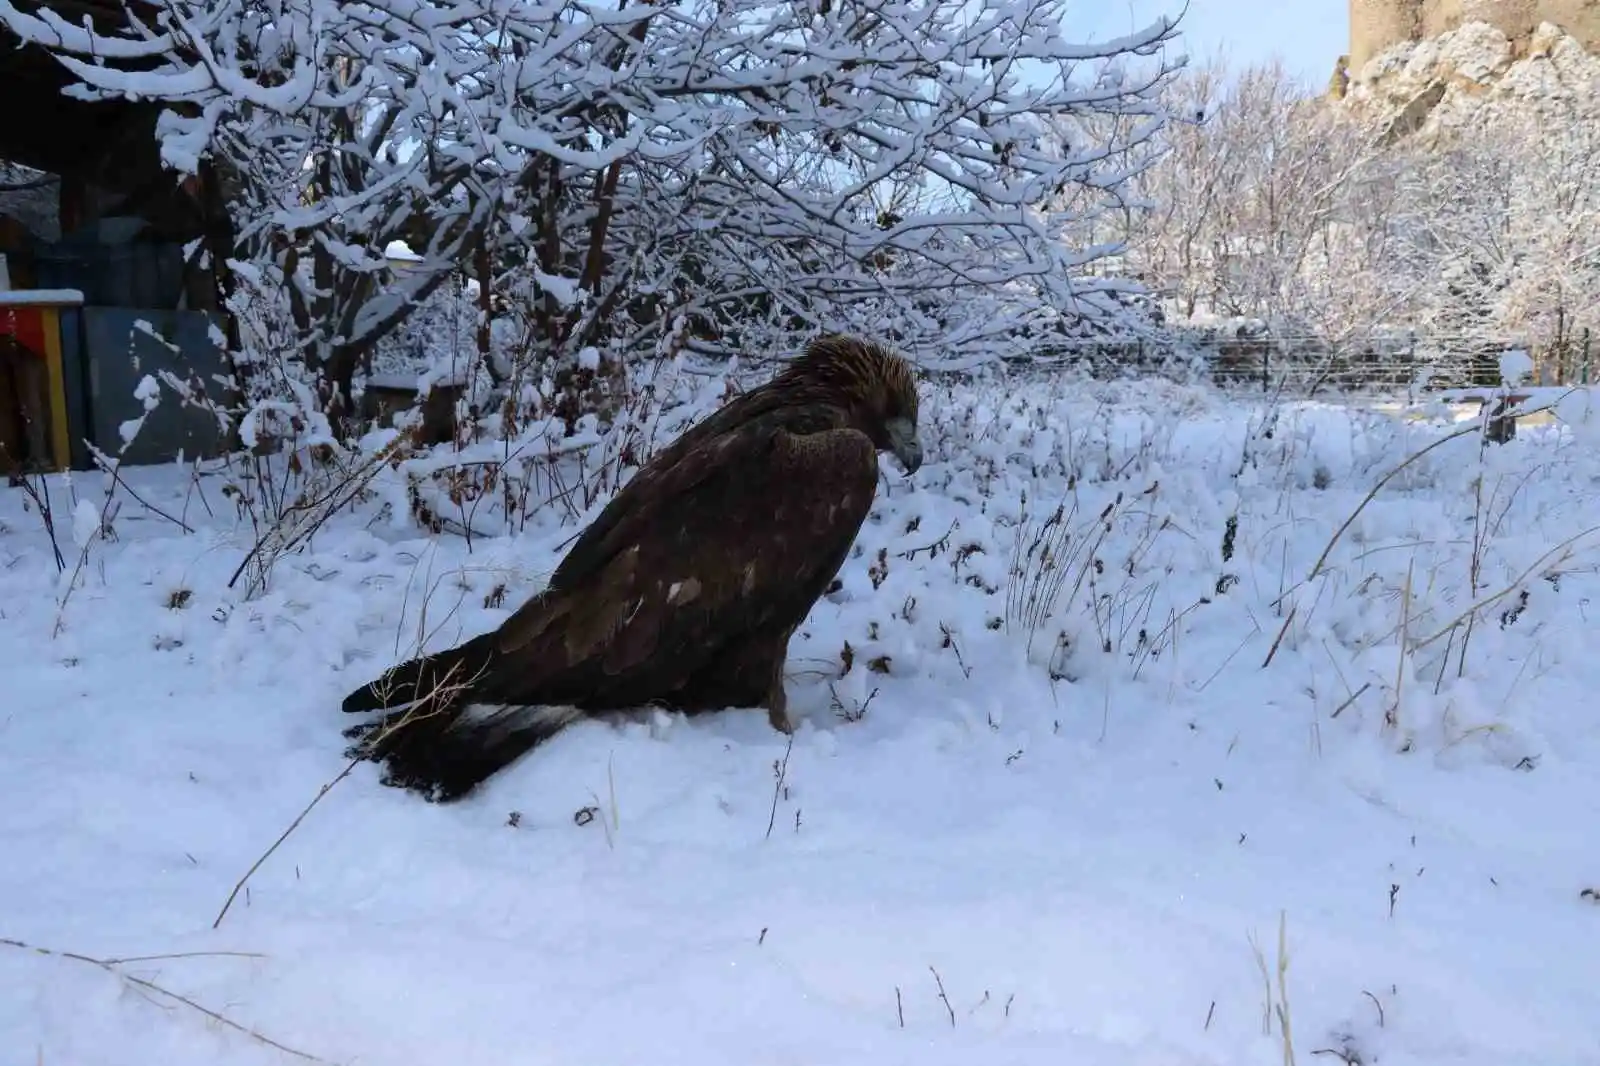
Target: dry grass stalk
{"points": [[39, 495], [1285, 1029], [1377, 487], [239, 885], [780, 775], [1280, 1008], [112, 966], [1405, 634], [1558, 554], [429, 704], [1046, 556], [299, 522]]}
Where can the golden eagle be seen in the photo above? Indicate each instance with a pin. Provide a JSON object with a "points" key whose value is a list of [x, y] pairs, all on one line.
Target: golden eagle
{"points": [[682, 593]]}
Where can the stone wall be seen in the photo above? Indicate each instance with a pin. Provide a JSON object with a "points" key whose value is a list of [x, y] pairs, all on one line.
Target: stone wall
{"points": [[1377, 24]]}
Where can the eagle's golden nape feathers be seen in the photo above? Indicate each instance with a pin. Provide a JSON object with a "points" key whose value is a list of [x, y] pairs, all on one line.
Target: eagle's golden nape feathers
{"points": [[683, 592], [845, 368], [855, 365]]}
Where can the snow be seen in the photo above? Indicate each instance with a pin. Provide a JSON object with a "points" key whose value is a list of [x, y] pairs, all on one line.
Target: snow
{"points": [[1516, 367], [960, 859], [400, 251], [41, 298], [85, 523]]}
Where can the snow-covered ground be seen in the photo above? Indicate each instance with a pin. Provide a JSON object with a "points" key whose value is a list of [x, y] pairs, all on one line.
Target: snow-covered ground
{"points": [[1008, 831]]}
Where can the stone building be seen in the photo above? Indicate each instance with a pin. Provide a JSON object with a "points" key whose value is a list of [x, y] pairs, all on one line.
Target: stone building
{"points": [[1378, 24]]}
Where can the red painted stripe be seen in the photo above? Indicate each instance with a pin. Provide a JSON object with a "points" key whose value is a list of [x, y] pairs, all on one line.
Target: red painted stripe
{"points": [[26, 325]]}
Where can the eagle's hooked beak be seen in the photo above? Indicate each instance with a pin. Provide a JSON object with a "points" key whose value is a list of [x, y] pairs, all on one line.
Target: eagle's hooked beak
{"points": [[903, 442]]}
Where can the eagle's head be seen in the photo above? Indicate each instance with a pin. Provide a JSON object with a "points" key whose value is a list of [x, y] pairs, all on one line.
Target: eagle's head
{"points": [[875, 387]]}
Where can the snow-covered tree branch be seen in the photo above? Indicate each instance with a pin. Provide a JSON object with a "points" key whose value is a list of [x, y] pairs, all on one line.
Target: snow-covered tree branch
{"points": [[746, 172]]}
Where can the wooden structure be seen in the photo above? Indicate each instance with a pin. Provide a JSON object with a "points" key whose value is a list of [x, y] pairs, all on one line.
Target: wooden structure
{"points": [[104, 152], [73, 332], [34, 430], [387, 395], [1502, 425]]}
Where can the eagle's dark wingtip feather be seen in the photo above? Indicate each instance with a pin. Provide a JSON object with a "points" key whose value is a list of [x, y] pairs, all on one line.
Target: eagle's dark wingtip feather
{"points": [[446, 675], [364, 698], [394, 687]]}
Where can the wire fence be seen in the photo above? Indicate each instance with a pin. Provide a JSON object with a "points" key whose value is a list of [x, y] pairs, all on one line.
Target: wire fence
{"points": [[1419, 365], [1240, 356], [1408, 365]]}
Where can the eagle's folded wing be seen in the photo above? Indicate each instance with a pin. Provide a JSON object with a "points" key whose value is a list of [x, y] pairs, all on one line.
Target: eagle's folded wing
{"points": [[745, 531]]}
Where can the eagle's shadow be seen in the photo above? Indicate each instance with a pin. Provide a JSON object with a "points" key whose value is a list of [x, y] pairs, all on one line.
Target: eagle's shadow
{"points": [[814, 706]]}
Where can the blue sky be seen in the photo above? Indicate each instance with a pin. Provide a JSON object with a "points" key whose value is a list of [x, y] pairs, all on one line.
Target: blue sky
{"points": [[1307, 34]]}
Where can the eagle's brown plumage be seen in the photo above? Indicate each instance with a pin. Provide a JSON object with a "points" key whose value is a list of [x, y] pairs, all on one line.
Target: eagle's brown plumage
{"points": [[685, 589]]}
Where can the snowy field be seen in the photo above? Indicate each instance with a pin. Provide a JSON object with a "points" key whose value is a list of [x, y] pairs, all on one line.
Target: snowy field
{"points": [[1063, 813]]}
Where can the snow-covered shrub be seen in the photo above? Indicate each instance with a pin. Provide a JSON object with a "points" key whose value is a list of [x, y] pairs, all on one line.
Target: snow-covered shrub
{"points": [[614, 177]]}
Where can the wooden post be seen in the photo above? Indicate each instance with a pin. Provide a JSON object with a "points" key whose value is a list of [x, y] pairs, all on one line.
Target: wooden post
{"points": [[72, 206], [1502, 427]]}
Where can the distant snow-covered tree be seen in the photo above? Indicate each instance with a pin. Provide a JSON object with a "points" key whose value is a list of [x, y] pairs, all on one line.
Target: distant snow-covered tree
{"points": [[1265, 199], [1511, 232], [1265, 202]]}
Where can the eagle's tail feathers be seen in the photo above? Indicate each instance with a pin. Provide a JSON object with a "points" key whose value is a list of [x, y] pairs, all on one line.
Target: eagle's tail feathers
{"points": [[445, 757]]}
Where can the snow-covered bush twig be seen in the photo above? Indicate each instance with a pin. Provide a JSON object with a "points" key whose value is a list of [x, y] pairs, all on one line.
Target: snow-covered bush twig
{"points": [[91, 524], [36, 487]]}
